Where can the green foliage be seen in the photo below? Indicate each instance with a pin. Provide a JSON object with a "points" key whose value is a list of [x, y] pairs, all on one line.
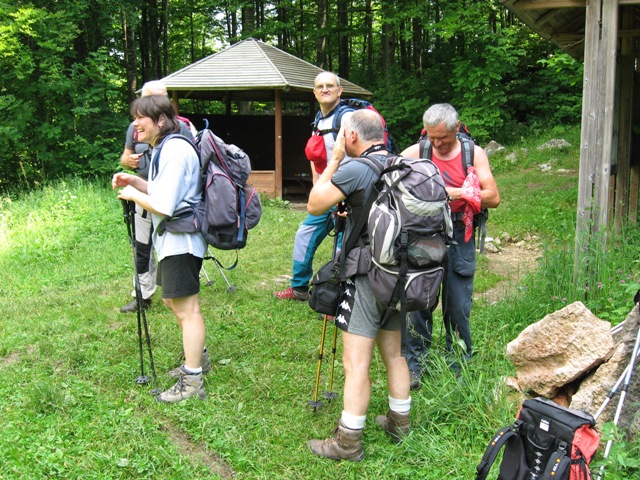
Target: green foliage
{"points": [[623, 461], [65, 69], [64, 109]]}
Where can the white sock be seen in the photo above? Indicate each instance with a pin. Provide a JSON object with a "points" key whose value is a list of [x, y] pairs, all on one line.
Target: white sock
{"points": [[399, 406], [353, 422], [192, 371]]}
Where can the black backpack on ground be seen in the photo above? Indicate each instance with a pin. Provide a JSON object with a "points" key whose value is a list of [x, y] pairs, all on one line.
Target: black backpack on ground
{"points": [[547, 441]]}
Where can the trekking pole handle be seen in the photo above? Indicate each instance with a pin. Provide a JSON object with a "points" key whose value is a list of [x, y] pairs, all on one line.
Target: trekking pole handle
{"points": [[125, 207]]}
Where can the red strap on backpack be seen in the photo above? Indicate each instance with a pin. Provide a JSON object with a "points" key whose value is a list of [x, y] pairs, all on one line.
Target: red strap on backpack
{"points": [[316, 151]]}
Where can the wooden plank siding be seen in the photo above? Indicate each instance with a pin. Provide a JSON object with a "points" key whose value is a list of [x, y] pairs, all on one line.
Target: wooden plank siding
{"points": [[601, 33]]}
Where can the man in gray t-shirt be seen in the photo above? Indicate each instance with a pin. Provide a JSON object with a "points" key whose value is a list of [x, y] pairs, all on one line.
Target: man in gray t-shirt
{"points": [[360, 313]]}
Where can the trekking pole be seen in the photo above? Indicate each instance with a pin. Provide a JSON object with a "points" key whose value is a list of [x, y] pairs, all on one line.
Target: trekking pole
{"points": [[209, 281], [623, 394], [315, 403], [129, 216], [230, 288], [338, 227], [330, 395], [613, 391]]}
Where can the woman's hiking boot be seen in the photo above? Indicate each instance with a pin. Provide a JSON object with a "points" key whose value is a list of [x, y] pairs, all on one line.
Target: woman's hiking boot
{"points": [[186, 386], [396, 424], [346, 444]]}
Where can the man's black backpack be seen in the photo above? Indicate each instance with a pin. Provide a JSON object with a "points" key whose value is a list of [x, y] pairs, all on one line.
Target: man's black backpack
{"points": [[350, 105], [229, 207], [467, 144], [547, 441]]}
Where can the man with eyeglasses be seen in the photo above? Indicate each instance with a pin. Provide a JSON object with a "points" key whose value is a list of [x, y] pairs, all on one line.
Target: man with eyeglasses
{"points": [[315, 228]]}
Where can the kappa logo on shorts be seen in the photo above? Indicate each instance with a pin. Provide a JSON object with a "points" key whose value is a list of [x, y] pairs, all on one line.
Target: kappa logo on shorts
{"points": [[344, 305], [341, 319]]}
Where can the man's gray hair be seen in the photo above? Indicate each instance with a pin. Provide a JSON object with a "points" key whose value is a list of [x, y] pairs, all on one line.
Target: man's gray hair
{"points": [[367, 124], [153, 87], [439, 113]]}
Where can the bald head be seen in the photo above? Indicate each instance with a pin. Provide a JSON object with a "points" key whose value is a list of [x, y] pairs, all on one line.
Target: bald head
{"points": [[154, 87]]}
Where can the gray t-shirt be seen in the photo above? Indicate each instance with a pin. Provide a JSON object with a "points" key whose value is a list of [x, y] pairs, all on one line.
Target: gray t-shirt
{"points": [[175, 185], [352, 178]]}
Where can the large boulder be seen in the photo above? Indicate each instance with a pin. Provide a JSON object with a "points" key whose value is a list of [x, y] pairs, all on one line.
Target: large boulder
{"points": [[594, 390], [560, 349]]}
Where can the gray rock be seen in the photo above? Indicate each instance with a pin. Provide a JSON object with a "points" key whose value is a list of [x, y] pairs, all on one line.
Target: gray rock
{"points": [[559, 349], [493, 147], [554, 144]]}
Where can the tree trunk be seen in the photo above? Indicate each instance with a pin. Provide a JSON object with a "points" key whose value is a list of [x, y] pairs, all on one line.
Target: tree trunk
{"points": [[388, 40], [163, 28], [369, 40], [321, 50], [130, 58], [343, 39]]}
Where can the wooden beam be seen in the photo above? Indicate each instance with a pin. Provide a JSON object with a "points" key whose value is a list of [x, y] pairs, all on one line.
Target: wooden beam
{"points": [[607, 54], [278, 143], [628, 2], [547, 4], [625, 119], [597, 128]]}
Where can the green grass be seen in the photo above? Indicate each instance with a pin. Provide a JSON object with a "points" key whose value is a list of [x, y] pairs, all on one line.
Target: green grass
{"points": [[70, 404]]}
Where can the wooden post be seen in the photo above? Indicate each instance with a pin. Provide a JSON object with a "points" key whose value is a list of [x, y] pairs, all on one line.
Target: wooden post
{"points": [[278, 144], [627, 61], [175, 101], [597, 128]]}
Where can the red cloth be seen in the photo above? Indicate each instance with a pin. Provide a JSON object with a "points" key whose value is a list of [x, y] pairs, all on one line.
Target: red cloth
{"points": [[471, 195]]}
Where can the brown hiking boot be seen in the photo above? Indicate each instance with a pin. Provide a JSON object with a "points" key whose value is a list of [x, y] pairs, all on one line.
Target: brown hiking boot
{"points": [[186, 386], [346, 444], [396, 424]]}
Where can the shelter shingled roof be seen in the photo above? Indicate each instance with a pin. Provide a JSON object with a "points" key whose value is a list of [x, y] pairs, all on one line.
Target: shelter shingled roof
{"points": [[560, 21], [251, 70]]}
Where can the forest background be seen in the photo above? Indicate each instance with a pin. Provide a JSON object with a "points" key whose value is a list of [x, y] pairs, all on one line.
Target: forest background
{"points": [[69, 68]]}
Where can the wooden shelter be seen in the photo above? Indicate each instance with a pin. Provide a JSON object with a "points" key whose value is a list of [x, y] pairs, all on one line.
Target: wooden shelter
{"points": [[250, 71], [606, 35]]}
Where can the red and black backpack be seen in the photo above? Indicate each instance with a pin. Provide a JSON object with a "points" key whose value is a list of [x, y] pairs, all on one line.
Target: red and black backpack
{"points": [[547, 441]]}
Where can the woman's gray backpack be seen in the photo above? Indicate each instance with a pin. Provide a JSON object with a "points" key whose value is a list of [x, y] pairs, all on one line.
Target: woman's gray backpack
{"points": [[229, 207]]}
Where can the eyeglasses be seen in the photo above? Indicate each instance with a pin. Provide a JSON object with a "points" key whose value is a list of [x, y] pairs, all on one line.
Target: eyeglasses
{"points": [[328, 86]]}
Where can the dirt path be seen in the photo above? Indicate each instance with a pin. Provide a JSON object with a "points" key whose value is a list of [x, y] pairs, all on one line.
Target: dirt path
{"points": [[512, 262]]}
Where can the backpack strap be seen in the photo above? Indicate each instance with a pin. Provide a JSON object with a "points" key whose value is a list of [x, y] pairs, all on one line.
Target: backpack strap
{"points": [[153, 172], [337, 113], [557, 464], [156, 156], [511, 437], [356, 232]]}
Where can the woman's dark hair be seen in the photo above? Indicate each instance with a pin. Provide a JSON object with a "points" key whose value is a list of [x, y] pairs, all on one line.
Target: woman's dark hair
{"points": [[156, 107]]}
